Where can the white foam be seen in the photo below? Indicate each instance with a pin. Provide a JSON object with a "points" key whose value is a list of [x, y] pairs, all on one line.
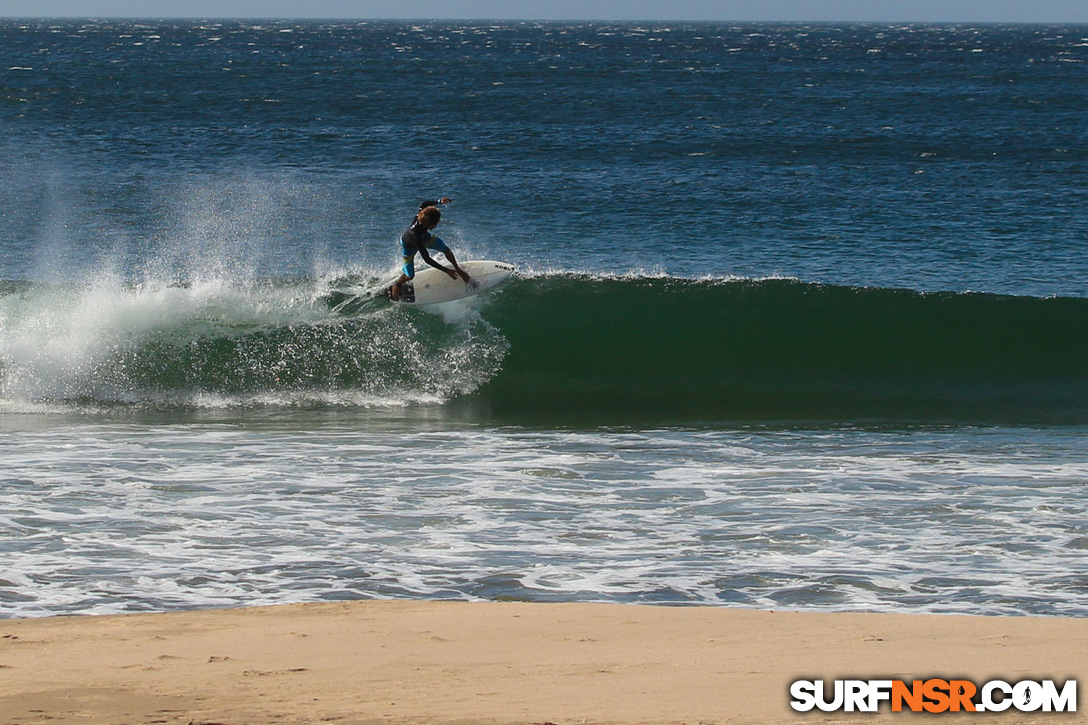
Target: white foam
{"points": [[124, 517], [54, 339]]}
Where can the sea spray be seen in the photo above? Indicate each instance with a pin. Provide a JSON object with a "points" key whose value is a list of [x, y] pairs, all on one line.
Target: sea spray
{"points": [[213, 341]]}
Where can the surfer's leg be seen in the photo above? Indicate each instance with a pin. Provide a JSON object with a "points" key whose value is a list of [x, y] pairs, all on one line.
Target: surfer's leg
{"points": [[408, 273]]}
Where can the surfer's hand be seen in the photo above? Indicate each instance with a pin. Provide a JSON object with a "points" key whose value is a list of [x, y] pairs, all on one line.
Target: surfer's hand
{"points": [[452, 273], [445, 200], [464, 275]]}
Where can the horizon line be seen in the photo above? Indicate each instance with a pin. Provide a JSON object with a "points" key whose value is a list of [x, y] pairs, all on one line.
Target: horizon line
{"points": [[431, 19]]}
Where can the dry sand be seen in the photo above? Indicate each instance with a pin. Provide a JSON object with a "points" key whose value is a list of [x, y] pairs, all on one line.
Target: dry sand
{"points": [[457, 662]]}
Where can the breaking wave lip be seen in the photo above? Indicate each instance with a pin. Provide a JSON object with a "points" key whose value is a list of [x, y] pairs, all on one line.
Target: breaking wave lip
{"points": [[554, 345]]}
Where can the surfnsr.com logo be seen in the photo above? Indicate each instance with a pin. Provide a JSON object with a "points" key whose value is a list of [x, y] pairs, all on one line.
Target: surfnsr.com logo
{"points": [[933, 695]]}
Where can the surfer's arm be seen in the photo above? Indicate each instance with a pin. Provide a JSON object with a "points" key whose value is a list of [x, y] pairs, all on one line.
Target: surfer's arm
{"points": [[443, 200], [453, 260], [429, 260]]}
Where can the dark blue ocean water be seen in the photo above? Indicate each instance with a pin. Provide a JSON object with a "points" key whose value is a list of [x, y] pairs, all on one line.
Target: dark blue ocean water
{"points": [[783, 287], [932, 158]]}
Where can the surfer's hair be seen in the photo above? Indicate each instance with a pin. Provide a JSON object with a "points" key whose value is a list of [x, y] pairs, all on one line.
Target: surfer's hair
{"points": [[429, 216]]}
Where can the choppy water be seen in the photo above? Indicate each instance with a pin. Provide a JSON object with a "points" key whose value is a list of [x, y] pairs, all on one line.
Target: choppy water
{"points": [[801, 319]]}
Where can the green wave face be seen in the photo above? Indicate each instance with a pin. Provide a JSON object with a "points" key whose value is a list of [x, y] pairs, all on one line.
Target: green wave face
{"points": [[776, 349]]}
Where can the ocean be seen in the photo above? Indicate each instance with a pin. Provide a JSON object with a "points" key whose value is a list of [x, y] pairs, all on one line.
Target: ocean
{"points": [[800, 322]]}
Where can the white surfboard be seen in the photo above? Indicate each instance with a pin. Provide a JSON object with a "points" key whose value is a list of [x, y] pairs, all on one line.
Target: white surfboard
{"points": [[432, 286]]}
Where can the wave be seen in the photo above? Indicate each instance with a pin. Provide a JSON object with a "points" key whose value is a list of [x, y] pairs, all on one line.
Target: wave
{"points": [[783, 349], [557, 348], [220, 344]]}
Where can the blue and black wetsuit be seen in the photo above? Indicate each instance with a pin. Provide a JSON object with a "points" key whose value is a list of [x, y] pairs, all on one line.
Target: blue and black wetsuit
{"points": [[417, 239]]}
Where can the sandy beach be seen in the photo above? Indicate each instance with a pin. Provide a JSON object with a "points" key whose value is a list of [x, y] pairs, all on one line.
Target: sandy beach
{"points": [[458, 662]]}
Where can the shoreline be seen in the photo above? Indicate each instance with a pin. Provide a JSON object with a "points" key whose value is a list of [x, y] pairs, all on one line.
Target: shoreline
{"points": [[487, 662]]}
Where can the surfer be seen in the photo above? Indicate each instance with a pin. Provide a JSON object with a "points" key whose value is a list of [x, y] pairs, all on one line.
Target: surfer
{"points": [[418, 238]]}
